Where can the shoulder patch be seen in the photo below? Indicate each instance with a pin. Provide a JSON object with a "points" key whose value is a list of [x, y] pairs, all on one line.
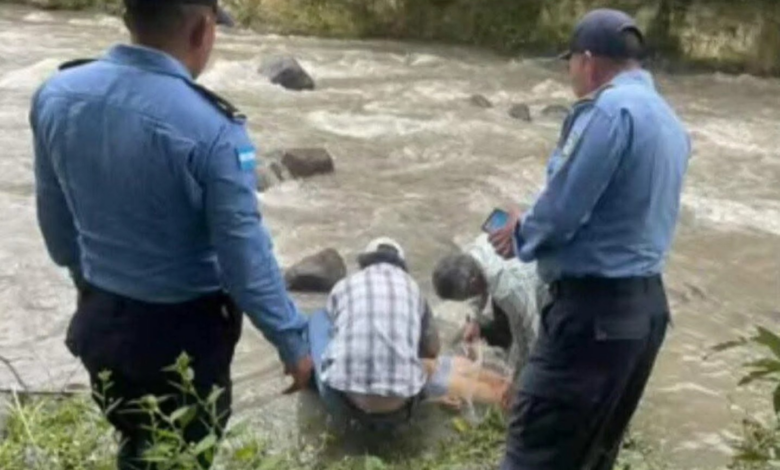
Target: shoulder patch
{"points": [[577, 128], [571, 143], [223, 105], [247, 158]]}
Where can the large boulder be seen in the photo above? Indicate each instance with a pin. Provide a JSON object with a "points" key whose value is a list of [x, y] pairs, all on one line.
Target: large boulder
{"points": [[307, 162], [521, 112], [480, 101], [316, 273], [287, 72]]}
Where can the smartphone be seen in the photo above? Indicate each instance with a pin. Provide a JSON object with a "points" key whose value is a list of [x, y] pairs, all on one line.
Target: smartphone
{"points": [[497, 219]]}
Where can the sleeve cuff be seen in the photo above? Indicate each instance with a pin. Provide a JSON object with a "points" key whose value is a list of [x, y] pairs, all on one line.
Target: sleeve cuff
{"points": [[292, 346], [521, 251]]}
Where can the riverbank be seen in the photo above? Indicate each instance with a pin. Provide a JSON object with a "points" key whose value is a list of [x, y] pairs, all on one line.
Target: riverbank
{"points": [[724, 35], [70, 434]]}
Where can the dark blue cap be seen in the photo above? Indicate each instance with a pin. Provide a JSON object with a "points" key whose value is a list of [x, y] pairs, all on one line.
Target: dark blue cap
{"points": [[602, 33], [223, 17]]}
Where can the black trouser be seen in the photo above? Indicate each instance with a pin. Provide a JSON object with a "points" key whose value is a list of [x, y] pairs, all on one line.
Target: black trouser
{"points": [[596, 349], [135, 341]]}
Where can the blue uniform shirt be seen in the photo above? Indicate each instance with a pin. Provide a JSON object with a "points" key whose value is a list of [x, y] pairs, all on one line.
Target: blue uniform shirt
{"points": [[148, 190], [612, 197]]}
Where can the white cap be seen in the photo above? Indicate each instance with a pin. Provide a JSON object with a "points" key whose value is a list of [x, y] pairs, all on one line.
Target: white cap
{"points": [[377, 244]]}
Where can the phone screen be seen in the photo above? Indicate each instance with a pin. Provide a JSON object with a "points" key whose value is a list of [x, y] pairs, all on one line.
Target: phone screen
{"points": [[497, 219]]}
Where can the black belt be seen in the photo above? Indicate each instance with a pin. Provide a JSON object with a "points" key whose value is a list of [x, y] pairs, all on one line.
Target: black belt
{"points": [[571, 286]]}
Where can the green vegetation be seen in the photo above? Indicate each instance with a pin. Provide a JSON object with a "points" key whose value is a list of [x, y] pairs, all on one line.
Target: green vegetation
{"points": [[109, 6], [758, 448], [728, 35], [72, 434]]}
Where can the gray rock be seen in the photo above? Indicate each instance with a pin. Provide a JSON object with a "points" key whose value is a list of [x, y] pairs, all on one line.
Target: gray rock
{"points": [[556, 111], [271, 172], [316, 273], [521, 112], [306, 162], [480, 101], [287, 72]]}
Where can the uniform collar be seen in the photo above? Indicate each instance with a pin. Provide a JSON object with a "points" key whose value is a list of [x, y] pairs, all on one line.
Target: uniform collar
{"points": [[635, 76], [149, 59]]}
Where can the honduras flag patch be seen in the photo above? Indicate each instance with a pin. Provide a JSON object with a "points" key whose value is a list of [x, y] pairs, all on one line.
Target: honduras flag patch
{"points": [[247, 158]]}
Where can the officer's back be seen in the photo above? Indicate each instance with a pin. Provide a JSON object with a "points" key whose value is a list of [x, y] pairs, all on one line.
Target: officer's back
{"points": [[145, 188], [130, 145], [632, 225]]}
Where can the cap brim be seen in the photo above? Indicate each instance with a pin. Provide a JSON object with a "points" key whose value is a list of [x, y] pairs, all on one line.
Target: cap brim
{"points": [[224, 18]]}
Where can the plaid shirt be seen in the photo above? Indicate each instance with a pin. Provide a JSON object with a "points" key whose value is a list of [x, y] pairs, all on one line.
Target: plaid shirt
{"points": [[379, 320]]}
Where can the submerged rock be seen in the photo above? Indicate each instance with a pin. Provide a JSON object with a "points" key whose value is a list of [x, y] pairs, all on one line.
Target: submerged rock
{"points": [[307, 162], [480, 101], [283, 165], [271, 172], [521, 112], [316, 273], [287, 72]]}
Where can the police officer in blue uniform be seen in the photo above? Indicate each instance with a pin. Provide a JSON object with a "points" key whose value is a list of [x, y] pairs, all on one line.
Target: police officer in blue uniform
{"points": [[146, 193], [600, 231]]}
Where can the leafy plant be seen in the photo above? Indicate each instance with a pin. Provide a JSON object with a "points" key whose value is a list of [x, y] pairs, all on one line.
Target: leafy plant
{"points": [[759, 445], [54, 434]]}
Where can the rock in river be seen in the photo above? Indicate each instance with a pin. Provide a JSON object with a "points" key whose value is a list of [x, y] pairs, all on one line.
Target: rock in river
{"points": [[271, 172], [316, 273], [287, 72], [480, 101], [521, 112], [283, 165], [306, 162]]}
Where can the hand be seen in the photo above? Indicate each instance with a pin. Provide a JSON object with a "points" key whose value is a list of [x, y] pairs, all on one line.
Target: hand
{"points": [[503, 238], [506, 399], [301, 375], [472, 332]]}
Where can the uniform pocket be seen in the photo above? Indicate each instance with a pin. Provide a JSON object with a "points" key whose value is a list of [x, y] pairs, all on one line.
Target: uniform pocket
{"points": [[630, 328], [623, 319]]}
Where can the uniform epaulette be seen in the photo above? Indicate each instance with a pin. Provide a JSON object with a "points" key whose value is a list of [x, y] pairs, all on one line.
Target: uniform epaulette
{"points": [[584, 103], [591, 98], [226, 107], [75, 63]]}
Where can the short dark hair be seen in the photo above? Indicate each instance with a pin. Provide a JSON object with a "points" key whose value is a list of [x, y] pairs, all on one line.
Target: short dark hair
{"points": [[453, 276], [158, 18]]}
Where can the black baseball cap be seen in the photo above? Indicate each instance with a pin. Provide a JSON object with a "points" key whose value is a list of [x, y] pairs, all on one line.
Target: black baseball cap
{"points": [[602, 33], [223, 17]]}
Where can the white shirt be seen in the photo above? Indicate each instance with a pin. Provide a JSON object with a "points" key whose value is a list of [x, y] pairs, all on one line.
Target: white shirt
{"points": [[516, 287]]}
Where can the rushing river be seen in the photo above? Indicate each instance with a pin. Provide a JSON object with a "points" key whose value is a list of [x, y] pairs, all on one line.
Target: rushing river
{"points": [[417, 161]]}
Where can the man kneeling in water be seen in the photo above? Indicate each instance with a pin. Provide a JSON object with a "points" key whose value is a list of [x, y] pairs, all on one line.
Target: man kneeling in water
{"points": [[375, 346], [512, 289]]}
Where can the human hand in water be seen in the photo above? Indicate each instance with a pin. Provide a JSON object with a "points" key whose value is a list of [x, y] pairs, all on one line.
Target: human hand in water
{"points": [[503, 238], [301, 373]]}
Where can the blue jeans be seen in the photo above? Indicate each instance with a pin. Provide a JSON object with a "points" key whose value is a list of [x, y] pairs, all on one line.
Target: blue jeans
{"points": [[320, 334]]}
